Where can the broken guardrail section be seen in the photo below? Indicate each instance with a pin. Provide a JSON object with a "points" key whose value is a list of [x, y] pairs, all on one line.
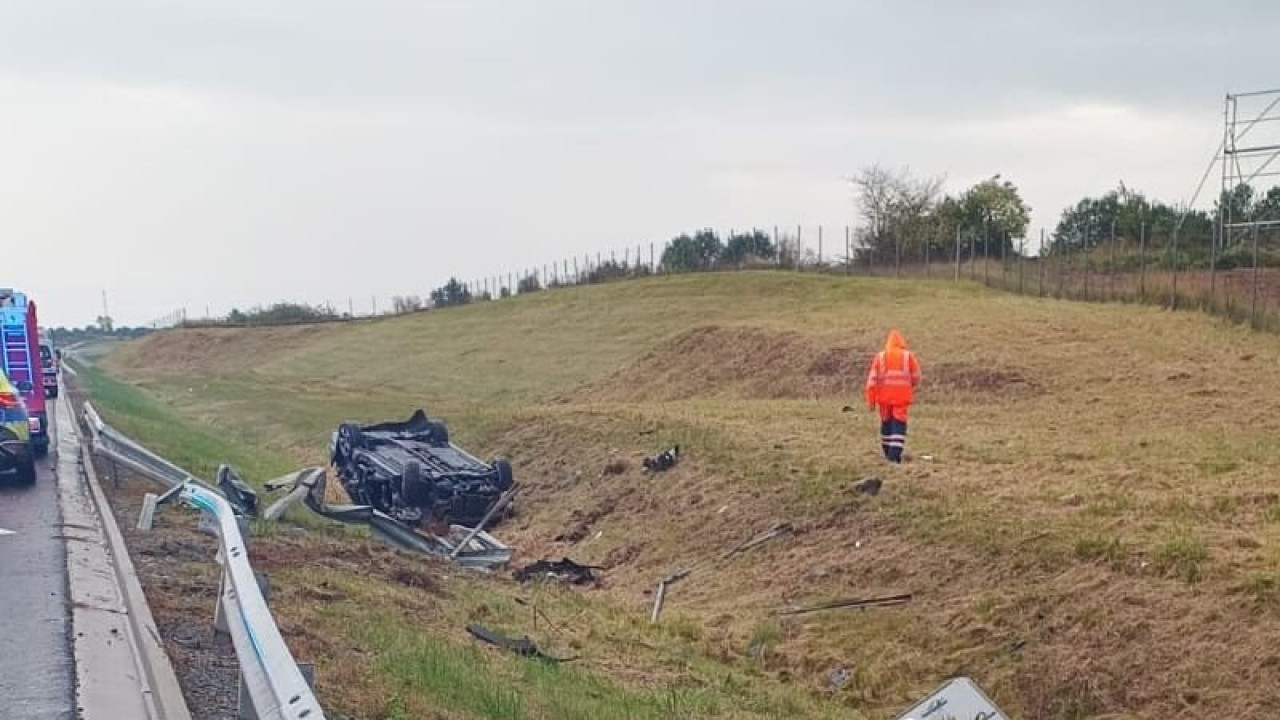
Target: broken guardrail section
{"points": [[271, 679]]}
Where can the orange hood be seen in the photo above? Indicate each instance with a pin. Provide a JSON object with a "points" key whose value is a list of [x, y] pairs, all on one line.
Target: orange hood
{"points": [[895, 341]]}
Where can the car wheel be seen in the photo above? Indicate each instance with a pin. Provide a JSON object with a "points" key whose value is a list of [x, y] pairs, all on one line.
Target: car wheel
{"points": [[27, 472], [439, 431], [349, 438], [410, 482], [506, 478]]}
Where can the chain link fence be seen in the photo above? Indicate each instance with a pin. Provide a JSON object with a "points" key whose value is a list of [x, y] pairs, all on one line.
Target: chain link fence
{"points": [[1238, 279]]}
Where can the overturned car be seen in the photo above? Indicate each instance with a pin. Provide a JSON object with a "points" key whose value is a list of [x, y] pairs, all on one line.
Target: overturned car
{"points": [[410, 471]]}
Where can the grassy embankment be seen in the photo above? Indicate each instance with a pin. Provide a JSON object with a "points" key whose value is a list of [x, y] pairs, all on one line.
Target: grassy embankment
{"points": [[1097, 530]]}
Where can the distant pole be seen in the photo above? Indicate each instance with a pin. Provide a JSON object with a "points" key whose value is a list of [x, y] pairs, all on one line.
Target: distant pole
{"points": [[819, 246], [1042, 261], [1253, 302], [577, 276], [637, 258], [1111, 277], [1004, 260], [1173, 292], [957, 278], [1088, 238], [897, 255], [1216, 236], [351, 306], [653, 263], [1142, 261], [1022, 254], [799, 248], [986, 253], [927, 271], [849, 251]]}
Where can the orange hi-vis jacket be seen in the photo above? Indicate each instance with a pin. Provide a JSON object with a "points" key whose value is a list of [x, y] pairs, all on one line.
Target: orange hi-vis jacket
{"points": [[894, 374]]}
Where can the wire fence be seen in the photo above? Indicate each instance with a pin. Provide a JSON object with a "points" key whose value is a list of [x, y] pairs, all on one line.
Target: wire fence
{"points": [[1237, 277]]}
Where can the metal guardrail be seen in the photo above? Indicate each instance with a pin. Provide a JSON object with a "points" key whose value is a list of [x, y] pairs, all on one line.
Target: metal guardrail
{"points": [[271, 678], [115, 679]]}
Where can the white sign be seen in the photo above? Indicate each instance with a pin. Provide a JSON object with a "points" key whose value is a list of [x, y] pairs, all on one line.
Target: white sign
{"points": [[959, 699]]}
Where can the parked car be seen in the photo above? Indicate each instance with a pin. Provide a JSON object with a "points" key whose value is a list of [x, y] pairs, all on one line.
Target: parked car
{"points": [[410, 471], [16, 453]]}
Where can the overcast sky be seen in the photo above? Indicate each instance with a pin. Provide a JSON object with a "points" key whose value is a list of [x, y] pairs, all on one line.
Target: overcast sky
{"points": [[233, 153]]}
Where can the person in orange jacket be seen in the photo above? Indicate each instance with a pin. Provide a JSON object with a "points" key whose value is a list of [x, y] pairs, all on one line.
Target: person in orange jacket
{"points": [[891, 384]]}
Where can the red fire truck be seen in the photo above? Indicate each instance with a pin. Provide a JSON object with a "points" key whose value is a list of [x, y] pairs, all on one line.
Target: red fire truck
{"points": [[20, 358]]}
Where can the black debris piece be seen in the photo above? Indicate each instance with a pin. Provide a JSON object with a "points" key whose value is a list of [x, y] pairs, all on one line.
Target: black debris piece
{"points": [[243, 499], [523, 647], [869, 486], [664, 460], [562, 570]]}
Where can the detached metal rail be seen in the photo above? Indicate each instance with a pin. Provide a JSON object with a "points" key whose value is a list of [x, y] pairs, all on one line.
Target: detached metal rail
{"points": [[274, 684]]}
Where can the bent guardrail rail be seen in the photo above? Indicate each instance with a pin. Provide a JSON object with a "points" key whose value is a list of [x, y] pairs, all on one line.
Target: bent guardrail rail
{"points": [[270, 675], [271, 679]]}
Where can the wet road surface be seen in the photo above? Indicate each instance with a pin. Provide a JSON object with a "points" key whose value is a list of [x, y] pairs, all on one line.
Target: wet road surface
{"points": [[36, 667]]}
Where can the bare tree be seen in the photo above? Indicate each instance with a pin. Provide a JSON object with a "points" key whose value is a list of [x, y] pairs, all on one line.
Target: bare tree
{"points": [[896, 207], [406, 304]]}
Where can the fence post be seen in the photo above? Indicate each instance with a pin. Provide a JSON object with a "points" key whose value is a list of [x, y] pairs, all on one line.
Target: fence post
{"points": [[897, 255], [1022, 251], [957, 277], [1088, 235], [1111, 277], [1215, 237], [1142, 262], [1253, 302], [1062, 281], [1044, 260], [848, 251], [986, 255], [1004, 261]]}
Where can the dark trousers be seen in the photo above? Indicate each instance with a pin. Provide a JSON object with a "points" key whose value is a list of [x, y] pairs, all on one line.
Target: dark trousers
{"points": [[893, 438]]}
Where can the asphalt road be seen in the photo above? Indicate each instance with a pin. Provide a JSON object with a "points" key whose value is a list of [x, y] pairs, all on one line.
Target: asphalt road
{"points": [[36, 666]]}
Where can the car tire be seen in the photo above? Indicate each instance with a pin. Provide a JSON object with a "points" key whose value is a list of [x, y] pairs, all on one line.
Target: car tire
{"points": [[27, 472], [439, 432], [410, 482], [502, 468], [349, 438]]}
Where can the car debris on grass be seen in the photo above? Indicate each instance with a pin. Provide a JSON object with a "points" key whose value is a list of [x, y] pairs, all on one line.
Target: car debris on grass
{"points": [[562, 570]]}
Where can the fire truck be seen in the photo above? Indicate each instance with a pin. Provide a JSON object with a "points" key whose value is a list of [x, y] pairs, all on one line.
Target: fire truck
{"points": [[20, 361]]}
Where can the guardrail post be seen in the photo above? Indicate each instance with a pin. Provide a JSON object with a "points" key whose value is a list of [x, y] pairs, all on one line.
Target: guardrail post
{"points": [[219, 615], [147, 516]]}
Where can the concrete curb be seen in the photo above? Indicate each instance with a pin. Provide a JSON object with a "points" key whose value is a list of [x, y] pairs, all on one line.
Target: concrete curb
{"points": [[107, 686]]}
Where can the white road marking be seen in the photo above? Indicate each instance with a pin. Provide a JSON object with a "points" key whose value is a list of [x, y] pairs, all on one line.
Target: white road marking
{"points": [[7, 532]]}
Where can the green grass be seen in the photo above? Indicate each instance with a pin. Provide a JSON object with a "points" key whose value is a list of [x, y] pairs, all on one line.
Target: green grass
{"points": [[1183, 556], [1122, 462], [197, 448]]}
